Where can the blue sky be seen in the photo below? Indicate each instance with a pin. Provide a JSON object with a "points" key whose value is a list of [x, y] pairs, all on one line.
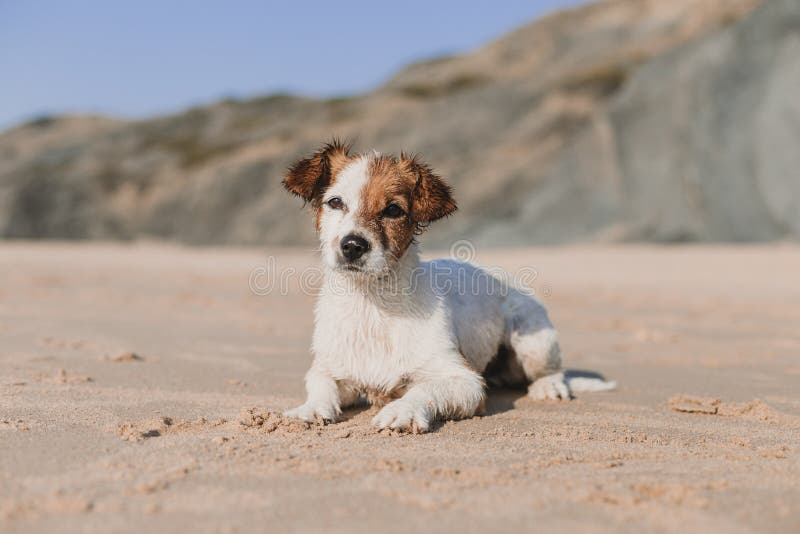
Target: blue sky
{"points": [[146, 57]]}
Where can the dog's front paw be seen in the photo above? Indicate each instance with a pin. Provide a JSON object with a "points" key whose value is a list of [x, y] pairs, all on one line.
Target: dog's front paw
{"points": [[551, 387], [405, 415], [312, 413]]}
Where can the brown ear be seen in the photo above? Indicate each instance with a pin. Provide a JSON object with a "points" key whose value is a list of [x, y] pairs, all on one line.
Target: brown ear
{"points": [[309, 177], [432, 198]]}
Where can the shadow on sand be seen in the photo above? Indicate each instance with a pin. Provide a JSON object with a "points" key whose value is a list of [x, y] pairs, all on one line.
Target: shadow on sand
{"points": [[503, 399]]}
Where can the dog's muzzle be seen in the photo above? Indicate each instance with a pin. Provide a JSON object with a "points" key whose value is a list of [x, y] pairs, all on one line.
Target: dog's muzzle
{"points": [[353, 247]]}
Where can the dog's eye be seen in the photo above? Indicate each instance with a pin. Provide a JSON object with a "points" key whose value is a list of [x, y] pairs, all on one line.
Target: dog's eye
{"points": [[336, 203], [393, 211]]}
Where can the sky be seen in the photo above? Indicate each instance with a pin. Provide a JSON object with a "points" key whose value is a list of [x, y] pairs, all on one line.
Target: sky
{"points": [[148, 57]]}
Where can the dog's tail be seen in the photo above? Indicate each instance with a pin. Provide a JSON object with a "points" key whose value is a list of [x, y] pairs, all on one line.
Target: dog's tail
{"points": [[587, 381]]}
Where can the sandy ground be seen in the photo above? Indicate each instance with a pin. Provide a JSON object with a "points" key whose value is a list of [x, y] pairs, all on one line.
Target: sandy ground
{"points": [[136, 385]]}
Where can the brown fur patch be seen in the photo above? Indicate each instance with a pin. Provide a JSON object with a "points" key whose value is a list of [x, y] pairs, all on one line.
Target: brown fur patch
{"points": [[311, 176], [380, 397], [433, 198], [388, 184], [411, 185]]}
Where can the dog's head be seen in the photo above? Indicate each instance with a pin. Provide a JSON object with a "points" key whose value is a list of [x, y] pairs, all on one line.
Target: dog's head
{"points": [[368, 207]]}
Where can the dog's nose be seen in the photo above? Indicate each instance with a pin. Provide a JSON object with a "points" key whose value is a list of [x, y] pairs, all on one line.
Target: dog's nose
{"points": [[353, 247]]}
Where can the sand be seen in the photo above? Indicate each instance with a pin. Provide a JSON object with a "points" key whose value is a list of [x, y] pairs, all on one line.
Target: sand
{"points": [[141, 386]]}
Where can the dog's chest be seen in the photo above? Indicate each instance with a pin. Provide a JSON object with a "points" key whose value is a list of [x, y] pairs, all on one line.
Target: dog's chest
{"points": [[360, 342]]}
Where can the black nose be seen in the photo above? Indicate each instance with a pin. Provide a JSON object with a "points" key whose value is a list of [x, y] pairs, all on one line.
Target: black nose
{"points": [[353, 247]]}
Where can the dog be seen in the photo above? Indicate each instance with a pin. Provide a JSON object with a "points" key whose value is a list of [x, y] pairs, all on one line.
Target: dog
{"points": [[422, 339]]}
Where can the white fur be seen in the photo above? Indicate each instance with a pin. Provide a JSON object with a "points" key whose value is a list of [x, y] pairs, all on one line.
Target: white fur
{"points": [[336, 224], [423, 331]]}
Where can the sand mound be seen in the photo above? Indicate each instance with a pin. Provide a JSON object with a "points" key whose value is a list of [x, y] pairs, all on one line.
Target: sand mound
{"points": [[126, 357], [755, 409], [269, 421], [62, 377], [153, 428]]}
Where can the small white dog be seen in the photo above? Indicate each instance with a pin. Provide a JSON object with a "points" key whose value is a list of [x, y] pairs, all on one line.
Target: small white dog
{"points": [[421, 335]]}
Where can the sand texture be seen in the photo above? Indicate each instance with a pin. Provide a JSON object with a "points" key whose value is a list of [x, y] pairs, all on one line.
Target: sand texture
{"points": [[141, 388]]}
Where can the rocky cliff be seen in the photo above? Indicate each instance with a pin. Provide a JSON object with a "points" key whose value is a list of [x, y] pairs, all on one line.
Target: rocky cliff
{"points": [[621, 120]]}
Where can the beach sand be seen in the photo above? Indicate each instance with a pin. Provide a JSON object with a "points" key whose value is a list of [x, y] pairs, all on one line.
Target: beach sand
{"points": [[140, 387]]}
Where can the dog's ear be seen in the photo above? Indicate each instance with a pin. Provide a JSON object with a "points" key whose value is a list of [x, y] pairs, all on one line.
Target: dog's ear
{"points": [[309, 177], [432, 198]]}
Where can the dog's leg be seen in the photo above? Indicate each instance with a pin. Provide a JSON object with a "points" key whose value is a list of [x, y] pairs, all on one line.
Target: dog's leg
{"points": [[534, 342], [323, 403], [452, 392], [540, 357]]}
